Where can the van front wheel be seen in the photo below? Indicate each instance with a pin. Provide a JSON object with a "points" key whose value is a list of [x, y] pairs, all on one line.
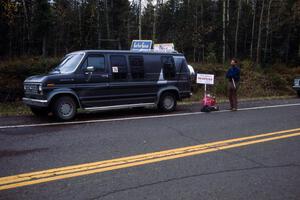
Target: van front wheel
{"points": [[64, 108], [167, 102]]}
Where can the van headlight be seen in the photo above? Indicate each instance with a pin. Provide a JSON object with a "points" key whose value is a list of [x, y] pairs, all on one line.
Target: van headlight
{"points": [[40, 89]]}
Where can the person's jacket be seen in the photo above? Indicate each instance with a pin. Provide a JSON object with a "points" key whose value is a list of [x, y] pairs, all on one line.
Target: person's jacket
{"points": [[233, 73]]}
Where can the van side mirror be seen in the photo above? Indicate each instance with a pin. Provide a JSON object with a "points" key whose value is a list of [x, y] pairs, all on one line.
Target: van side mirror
{"points": [[90, 69]]}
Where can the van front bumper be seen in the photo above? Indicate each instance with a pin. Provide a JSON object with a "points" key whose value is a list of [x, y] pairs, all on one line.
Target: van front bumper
{"points": [[35, 102], [296, 87]]}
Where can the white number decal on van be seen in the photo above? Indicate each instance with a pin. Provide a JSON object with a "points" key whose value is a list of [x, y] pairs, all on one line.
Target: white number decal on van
{"points": [[115, 69]]}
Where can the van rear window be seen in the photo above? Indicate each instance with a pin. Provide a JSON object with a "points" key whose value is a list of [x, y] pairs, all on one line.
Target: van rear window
{"points": [[168, 67], [137, 67]]}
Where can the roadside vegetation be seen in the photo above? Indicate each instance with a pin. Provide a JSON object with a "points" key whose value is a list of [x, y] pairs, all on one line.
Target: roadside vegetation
{"points": [[34, 33], [256, 83], [13, 109]]}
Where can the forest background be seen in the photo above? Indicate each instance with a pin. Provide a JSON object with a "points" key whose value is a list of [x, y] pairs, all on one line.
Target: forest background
{"points": [[263, 34]]}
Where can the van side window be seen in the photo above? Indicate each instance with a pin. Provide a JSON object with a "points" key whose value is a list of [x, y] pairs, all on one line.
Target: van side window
{"points": [[97, 61], [137, 67], [168, 67], [180, 64], [118, 67]]}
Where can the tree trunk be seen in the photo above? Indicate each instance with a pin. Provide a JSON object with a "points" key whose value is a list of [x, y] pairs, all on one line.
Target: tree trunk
{"points": [[80, 25], [237, 28], [201, 13], [267, 31], [253, 30], [195, 43], [107, 20], [258, 50], [128, 31], [203, 54], [202, 27], [154, 22], [299, 50], [245, 42], [227, 13], [194, 55], [288, 45], [224, 32], [98, 25], [227, 25], [26, 24], [55, 47], [140, 20], [10, 45], [44, 48], [271, 46]]}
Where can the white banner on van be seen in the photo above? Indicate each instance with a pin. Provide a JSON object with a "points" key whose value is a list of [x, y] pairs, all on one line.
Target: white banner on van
{"points": [[164, 47], [207, 79]]}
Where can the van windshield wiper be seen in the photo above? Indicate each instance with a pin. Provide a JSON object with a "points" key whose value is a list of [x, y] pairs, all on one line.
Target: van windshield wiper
{"points": [[56, 70]]}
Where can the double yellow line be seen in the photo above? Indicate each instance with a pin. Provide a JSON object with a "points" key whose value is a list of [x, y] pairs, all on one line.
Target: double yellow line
{"points": [[26, 179]]}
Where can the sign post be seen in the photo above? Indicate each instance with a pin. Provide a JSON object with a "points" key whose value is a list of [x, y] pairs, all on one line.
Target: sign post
{"points": [[206, 79]]}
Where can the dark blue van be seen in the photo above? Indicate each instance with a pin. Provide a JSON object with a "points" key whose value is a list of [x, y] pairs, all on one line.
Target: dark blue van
{"points": [[103, 79]]}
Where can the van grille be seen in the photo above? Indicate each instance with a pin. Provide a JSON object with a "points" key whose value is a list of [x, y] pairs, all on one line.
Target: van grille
{"points": [[31, 88]]}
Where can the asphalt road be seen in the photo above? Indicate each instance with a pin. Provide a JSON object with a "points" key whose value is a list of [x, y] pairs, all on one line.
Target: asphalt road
{"points": [[256, 167]]}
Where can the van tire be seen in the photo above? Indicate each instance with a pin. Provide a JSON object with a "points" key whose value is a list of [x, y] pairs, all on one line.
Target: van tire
{"points": [[298, 93], [64, 108], [167, 102], [39, 112]]}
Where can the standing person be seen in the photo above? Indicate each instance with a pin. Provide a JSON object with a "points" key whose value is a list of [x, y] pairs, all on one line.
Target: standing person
{"points": [[233, 76]]}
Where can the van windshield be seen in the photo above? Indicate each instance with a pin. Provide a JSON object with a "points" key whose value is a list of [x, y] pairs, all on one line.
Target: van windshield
{"points": [[68, 63]]}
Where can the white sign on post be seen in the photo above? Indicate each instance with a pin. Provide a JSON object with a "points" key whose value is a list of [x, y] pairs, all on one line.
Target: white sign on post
{"points": [[206, 79]]}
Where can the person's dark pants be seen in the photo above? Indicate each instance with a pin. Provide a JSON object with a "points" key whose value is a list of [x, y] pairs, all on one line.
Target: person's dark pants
{"points": [[232, 94]]}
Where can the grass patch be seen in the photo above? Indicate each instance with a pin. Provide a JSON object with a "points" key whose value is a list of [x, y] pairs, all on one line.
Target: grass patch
{"points": [[225, 99], [14, 109]]}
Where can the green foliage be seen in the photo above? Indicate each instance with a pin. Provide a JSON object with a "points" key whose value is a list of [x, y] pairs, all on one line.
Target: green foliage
{"points": [[211, 55], [255, 82], [31, 27], [13, 73], [14, 108]]}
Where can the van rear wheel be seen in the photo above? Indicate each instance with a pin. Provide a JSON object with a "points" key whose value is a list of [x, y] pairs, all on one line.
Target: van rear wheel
{"points": [[167, 102], [64, 108]]}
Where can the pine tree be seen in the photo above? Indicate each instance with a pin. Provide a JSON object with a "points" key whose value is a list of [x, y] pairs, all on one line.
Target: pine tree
{"points": [[42, 21]]}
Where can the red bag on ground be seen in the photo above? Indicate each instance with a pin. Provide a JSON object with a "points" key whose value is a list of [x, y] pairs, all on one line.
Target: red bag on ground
{"points": [[209, 103]]}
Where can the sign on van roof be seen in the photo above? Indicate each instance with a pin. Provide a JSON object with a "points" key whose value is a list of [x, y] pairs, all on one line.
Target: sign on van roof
{"points": [[166, 47], [140, 45]]}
